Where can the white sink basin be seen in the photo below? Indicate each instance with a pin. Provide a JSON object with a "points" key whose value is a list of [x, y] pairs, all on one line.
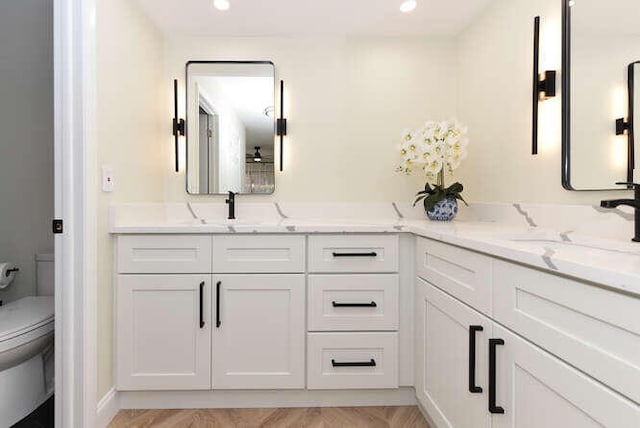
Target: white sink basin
{"points": [[234, 222]]}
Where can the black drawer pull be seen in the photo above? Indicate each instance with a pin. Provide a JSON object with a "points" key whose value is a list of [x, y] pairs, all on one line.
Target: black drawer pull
{"points": [[473, 329], [218, 321], [493, 344], [202, 304], [354, 305], [371, 363], [371, 254]]}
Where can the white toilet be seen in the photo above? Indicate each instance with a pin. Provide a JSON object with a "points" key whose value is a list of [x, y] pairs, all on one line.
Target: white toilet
{"points": [[26, 348]]}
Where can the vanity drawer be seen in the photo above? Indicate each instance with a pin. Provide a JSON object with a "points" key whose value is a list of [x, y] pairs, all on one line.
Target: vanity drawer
{"points": [[353, 302], [258, 254], [464, 274], [594, 329], [352, 360], [158, 254], [353, 253]]}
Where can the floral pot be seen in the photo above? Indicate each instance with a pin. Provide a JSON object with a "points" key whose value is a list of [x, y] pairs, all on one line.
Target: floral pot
{"points": [[444, 210]]}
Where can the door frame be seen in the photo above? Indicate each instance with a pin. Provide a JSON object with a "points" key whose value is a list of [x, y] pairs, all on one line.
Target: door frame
{"points": [[75, 181]]}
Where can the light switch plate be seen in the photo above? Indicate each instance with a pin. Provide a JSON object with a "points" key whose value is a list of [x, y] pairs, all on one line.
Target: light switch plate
{"points": [[107, 178]]}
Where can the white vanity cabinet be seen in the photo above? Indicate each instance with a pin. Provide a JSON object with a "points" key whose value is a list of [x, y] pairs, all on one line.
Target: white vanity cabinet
{"points": [[514, 382], [163, 332], [353, 312], [258, 332], [536, 389], [259, 312], [202, 312], [451, 359], [163, 312]]}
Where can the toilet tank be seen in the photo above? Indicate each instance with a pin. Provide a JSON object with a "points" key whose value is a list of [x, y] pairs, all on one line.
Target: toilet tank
{"points": [[45, 275]]}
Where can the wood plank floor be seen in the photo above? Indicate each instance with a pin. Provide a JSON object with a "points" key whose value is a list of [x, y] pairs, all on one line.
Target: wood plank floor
{"points": [[317, 417]]}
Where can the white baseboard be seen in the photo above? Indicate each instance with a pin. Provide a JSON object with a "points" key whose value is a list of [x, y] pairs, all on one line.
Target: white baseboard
{"points": [[107, 408], [264, 399], [426, 415]]}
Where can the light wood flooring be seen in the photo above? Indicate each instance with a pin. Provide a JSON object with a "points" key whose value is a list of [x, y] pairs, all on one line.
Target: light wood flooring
{"points": [[317, 417]]}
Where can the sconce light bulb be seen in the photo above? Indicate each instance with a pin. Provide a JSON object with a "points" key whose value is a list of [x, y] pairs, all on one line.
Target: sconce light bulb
{"points": [[572, 3], [221, 4], [408, 6]]}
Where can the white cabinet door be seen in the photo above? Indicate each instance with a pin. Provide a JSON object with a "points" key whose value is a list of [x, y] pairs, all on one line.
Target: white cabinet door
{"points": [[259, 331], [444, 366], [163, 332], [536, 389]]}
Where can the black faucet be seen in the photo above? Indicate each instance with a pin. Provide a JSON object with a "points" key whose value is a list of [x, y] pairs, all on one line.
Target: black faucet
{"points": [[635, 203], [231, 201]]}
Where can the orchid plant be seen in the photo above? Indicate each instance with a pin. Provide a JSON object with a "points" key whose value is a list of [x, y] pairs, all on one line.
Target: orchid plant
{"points": [[435, 148]]}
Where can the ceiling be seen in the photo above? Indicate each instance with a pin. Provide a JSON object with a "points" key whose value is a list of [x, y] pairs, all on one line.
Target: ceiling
{"points": [[313, 17]]}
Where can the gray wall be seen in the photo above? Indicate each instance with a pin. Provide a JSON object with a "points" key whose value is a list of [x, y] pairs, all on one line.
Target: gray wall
{"points": [[26, 137]]}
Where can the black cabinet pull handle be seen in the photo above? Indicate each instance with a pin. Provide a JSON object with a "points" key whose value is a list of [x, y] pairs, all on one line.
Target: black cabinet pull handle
{"points": [[218, 322], [473, 329], [354, 305], [371, 254], [371, 363], [493, 344], [202, 304]]}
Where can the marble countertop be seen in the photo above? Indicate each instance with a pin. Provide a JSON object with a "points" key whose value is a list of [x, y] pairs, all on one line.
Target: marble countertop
{"points": [[611, 262]]}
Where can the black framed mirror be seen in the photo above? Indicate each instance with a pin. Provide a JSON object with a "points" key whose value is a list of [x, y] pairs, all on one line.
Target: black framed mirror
{"points": [[600, 40], [632, 126], [230, 127]]}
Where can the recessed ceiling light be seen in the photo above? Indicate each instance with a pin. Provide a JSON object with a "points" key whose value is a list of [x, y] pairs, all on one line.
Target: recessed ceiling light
{"points": [[408, 6], [221, 4]]}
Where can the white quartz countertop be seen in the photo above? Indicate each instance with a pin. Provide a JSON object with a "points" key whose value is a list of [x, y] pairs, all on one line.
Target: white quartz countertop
{"points": [[611, 262]]}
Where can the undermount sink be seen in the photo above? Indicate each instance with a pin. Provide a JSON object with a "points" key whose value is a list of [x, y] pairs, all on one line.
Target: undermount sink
{"points": [[568, 243], [335, 222], [592, 248], [234, 222], [190, 222]]}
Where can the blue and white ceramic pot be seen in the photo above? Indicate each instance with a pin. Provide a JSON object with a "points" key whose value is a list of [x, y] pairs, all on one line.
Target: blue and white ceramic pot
{"points": [[444, 210]]}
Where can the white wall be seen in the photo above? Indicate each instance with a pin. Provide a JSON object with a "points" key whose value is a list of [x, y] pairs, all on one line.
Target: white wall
{"points": [[26, 140], [130, 125], [347, 102], [494, 98]]}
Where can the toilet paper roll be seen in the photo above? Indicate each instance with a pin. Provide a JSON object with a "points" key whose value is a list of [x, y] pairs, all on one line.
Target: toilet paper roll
{"points": [[7, 274]]}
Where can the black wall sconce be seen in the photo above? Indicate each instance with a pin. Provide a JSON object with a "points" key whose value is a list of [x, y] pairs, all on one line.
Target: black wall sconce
{"points": [[544, 84], [627, 126], [178, 124], [281, 125], [622, 126]]}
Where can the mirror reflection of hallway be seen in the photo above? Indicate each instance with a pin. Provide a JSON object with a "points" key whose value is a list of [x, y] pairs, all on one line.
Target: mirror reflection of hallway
{"points": [[234, 105]]}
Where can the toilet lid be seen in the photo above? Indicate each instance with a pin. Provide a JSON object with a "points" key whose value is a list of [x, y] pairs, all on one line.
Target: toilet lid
{"points": [[24, 315]]}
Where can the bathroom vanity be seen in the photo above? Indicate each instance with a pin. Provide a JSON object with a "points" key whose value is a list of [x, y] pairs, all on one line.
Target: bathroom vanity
{"points": [[472, 315], [235, 312]]}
